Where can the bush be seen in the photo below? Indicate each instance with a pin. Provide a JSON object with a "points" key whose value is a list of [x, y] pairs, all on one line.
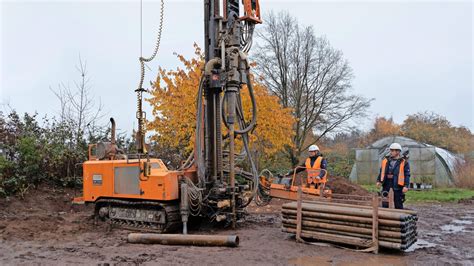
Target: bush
{"points": [[340, 164], [7, 180], [32, 154], [29, 160], [465, 174]]}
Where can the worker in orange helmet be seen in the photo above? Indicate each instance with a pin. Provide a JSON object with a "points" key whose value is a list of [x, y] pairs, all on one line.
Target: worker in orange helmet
{"points": [[394, 173], [315, 165]]}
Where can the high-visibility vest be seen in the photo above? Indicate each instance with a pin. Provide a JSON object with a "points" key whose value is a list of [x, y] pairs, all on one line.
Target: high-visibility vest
{"points": [[310, 169], [316, 165], [401, 172]]}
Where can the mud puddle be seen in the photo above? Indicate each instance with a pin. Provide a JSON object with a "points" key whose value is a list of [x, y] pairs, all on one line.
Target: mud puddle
{"points": [[421, 244], [462, 222], [457, 225], [452, 229]]}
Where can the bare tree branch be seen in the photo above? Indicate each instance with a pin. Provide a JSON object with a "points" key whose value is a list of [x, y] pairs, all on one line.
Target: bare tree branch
{"points": [[78, 106], [308, 75]]}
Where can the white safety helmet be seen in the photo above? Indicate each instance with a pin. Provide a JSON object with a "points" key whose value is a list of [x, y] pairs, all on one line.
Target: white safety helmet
{"points": [[396, 146], [313, 148]]}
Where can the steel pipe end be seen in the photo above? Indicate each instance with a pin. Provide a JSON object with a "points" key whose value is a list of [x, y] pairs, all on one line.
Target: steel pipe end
{"points": [[233, 241]]}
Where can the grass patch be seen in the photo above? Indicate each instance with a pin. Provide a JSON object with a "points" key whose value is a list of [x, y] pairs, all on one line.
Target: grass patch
{"points": [[433, 195], [440, 195]]}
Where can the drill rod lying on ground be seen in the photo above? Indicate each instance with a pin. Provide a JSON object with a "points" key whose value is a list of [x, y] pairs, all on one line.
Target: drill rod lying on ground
{"points": [[186, 240]]}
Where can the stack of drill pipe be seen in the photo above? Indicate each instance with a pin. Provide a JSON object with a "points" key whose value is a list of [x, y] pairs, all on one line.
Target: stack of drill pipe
{"points": [[352, 224]]}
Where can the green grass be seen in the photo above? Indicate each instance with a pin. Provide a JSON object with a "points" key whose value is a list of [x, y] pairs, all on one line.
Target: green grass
{"points": [[433, 195]]}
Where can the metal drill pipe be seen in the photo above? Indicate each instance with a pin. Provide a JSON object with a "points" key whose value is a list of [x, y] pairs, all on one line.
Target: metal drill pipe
{"points": [[401, 228], [396, 227], [350, 219], [356, 241], [403, 240], [185, 240], [328, 202], [405, 230], [340, 217], [391, 245], [353, 227], [184, 208], [353, 210], [344, 228], [400, 241], [231, 121]]}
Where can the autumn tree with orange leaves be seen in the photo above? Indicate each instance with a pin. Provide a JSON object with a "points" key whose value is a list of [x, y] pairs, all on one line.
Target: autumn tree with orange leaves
{"points": [[425, 127], [174, 110], [383, 127]]}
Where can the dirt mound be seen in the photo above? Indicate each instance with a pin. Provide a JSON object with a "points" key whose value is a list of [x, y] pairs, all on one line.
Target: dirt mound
{"points": [[43, 211], [342, 185], [338, 185], [43, 198], [273, 207]]}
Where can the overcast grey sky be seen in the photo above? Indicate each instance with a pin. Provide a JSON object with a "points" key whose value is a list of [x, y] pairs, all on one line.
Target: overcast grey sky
{"points": [[409, 56]]}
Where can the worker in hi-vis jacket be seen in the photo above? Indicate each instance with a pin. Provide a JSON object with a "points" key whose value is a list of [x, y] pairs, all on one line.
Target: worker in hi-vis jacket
{"points": [[394, 173], [313, 166]]}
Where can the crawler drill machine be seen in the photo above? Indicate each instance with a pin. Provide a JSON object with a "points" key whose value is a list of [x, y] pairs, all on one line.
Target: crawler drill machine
{"points": [[138, 191]]}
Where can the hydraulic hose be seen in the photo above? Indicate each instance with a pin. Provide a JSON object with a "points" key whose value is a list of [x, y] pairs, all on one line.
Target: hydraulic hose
{"points": [[263, 195], [254, 170]]}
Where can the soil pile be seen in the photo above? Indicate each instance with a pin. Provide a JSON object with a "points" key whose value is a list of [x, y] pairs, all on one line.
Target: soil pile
{"points": [[43, 211], [338, 185], [342, 185]]}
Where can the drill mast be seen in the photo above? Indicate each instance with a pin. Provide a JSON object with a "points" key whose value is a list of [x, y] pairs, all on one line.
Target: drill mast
{"points": [[228, 38]]}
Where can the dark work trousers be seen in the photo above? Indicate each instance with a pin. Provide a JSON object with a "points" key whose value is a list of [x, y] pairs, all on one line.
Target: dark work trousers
{"points": [[397, 194]]}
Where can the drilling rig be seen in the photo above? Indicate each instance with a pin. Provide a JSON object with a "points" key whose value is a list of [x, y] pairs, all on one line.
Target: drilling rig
{"points": [[136, 190]]}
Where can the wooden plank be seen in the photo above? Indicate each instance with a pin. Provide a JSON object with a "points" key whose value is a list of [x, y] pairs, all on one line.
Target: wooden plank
{"points": [[299, 214], [375, 224], [391, 201]]}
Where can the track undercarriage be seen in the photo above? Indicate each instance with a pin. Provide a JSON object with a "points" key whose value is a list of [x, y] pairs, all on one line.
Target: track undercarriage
{"points": [[155, 216]]}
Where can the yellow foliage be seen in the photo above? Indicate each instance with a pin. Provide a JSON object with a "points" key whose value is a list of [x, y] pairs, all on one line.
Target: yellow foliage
{"points": [[174, 110], [383, 127]]}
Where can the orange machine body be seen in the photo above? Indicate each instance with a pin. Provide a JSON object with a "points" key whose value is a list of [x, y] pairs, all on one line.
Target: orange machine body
{"points": [[125, 179]]}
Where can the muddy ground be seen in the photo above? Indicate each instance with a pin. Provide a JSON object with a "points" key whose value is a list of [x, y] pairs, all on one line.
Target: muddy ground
{"points": [[45, 229]]}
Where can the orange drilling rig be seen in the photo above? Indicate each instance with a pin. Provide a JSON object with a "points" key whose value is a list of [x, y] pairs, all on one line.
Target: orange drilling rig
{"points": [[136, 190]]}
